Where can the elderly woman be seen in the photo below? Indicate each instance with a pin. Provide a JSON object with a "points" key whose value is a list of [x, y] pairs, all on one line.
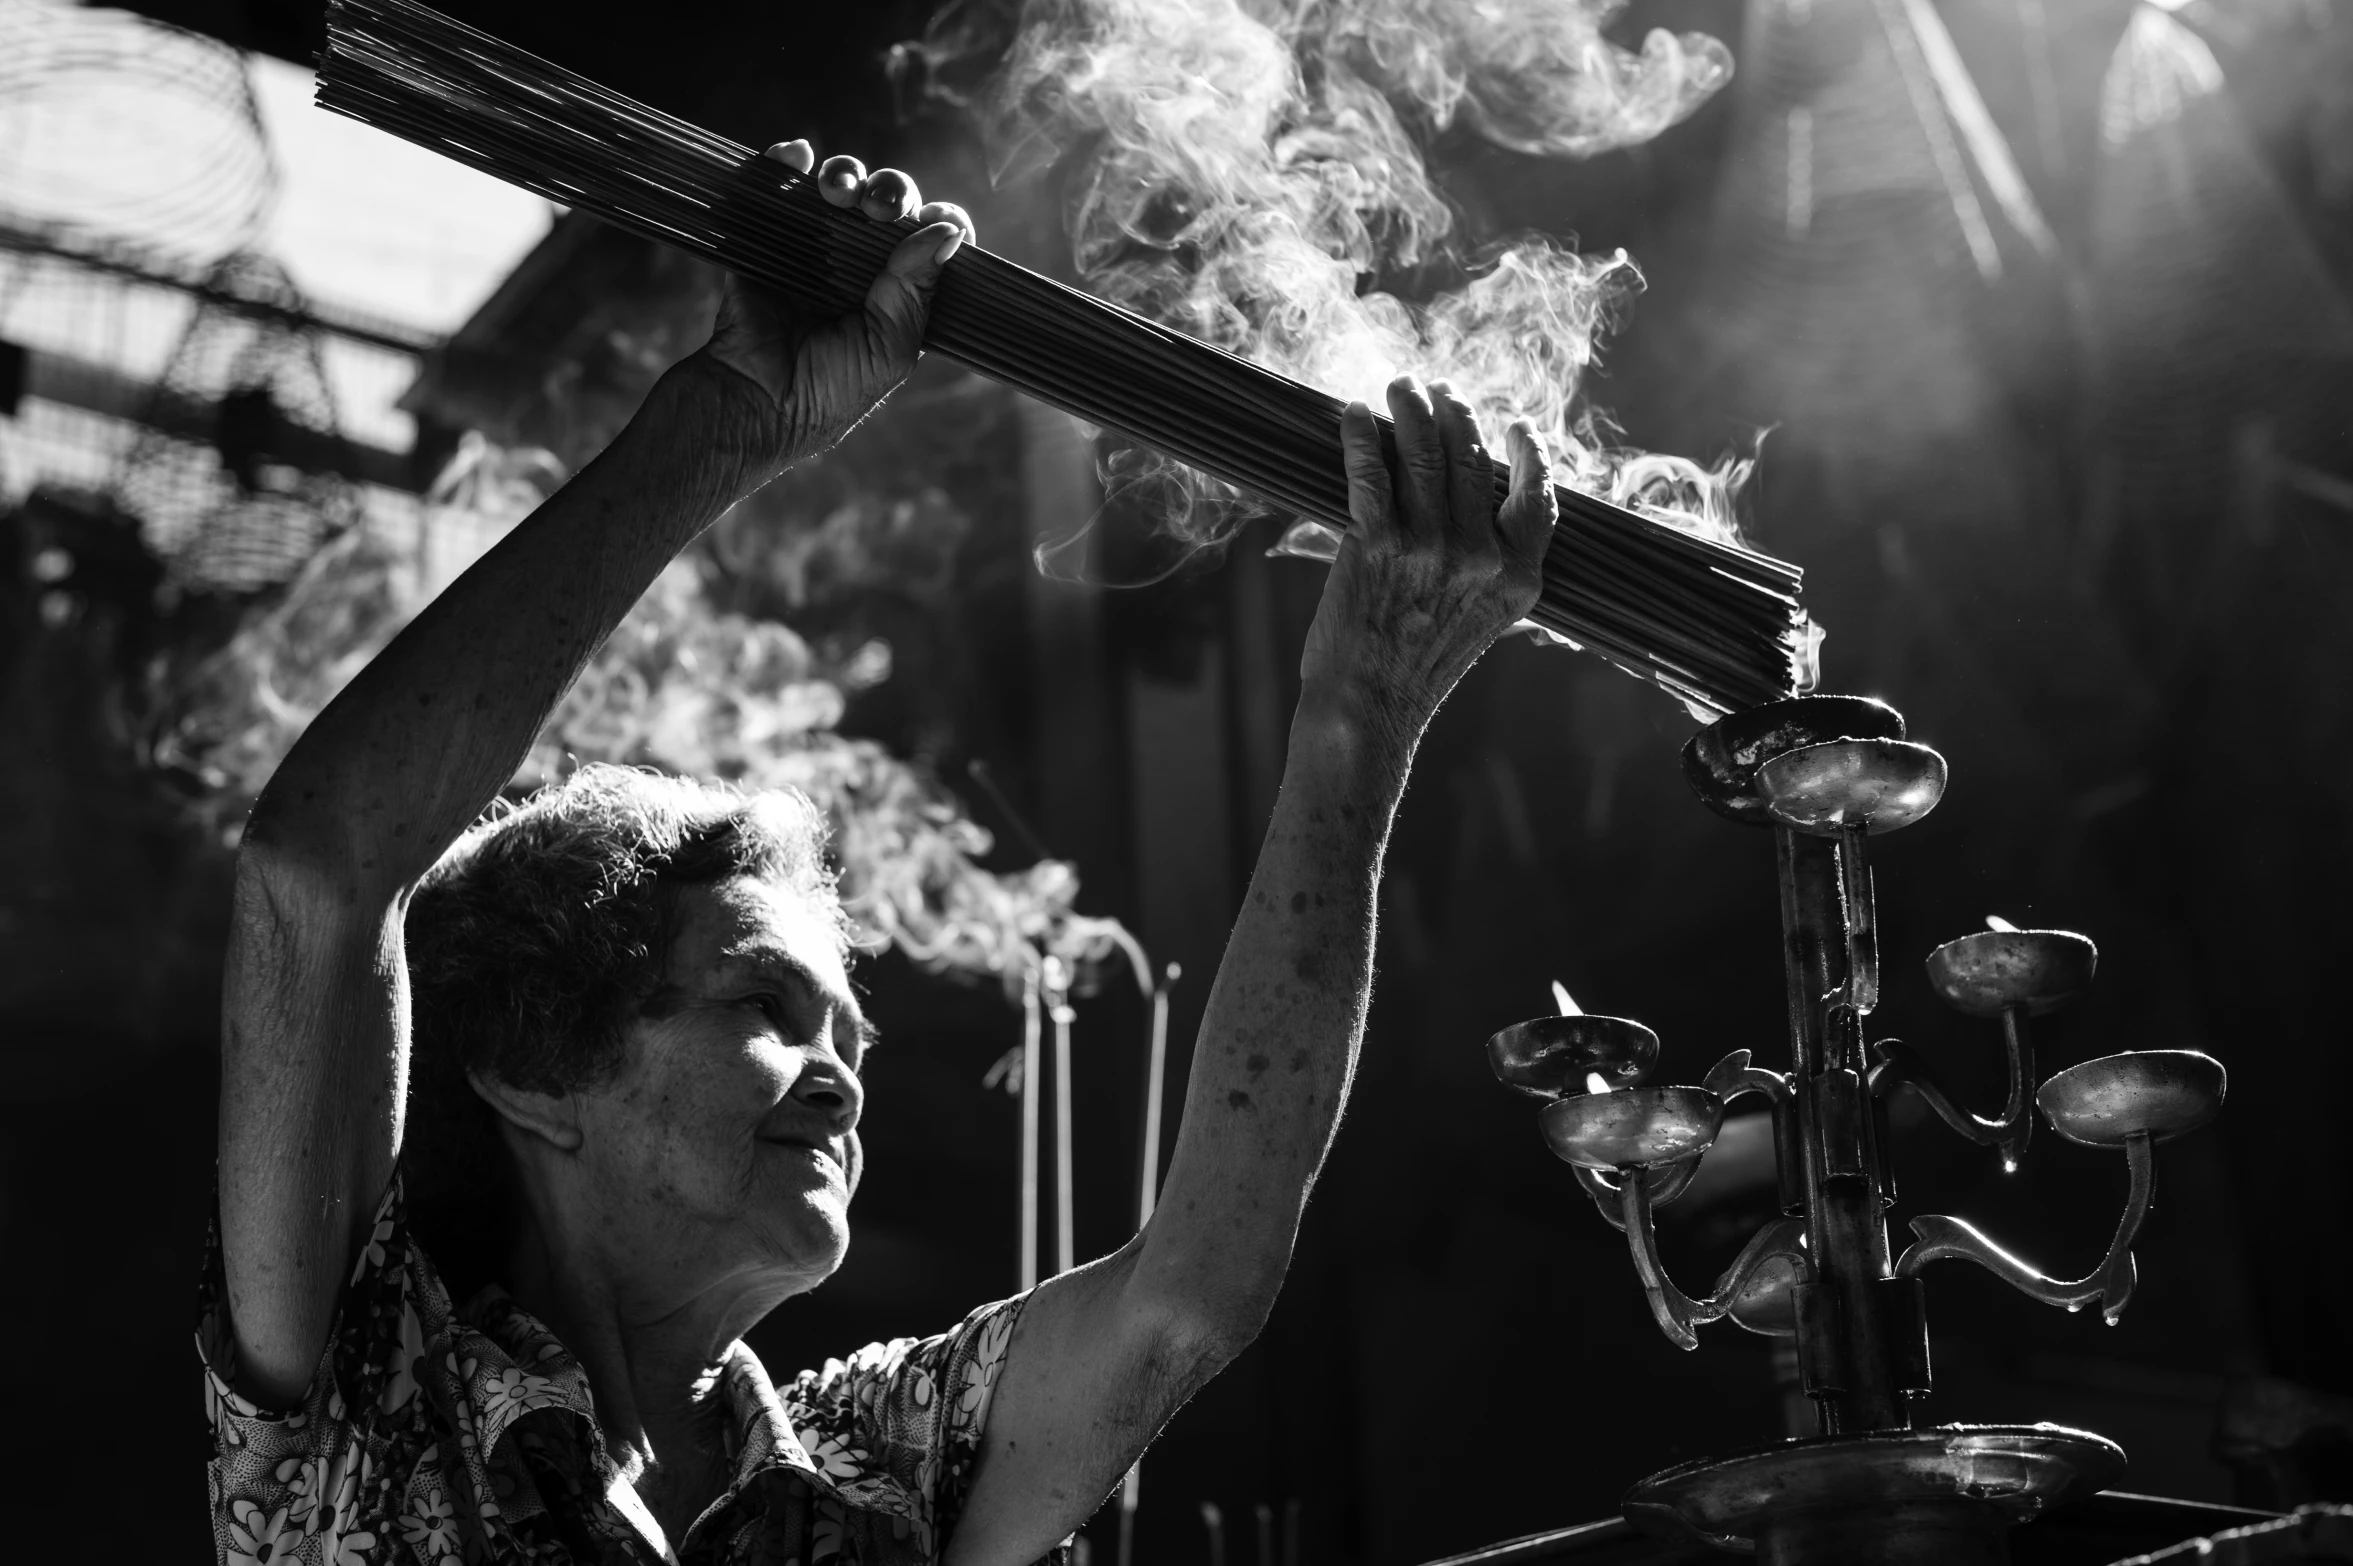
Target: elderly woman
{"points": [[631, 995]]}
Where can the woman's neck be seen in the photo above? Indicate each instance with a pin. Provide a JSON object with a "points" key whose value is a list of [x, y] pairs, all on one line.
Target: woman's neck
{"points": [[654, 1368]]}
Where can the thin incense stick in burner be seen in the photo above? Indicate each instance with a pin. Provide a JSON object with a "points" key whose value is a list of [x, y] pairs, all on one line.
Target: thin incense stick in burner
{"points": [[1715, 624]]}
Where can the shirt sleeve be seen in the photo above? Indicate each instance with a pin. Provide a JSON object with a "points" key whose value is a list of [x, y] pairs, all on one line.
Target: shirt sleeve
{"points": [[282, 1477], [897, 1426]]}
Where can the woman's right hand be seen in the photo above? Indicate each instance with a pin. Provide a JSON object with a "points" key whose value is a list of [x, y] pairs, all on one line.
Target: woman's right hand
{"points": [[1431, 570], [798, 378]]}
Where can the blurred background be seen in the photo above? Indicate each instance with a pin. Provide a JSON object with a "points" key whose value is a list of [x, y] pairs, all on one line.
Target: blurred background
{"points": [[2039, 309]]}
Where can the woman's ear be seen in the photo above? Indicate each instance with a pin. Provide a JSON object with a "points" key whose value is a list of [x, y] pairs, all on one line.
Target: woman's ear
{"points": [[552, 1117]]}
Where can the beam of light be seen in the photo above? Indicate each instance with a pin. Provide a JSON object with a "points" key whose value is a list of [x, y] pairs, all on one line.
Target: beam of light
{"points": [[1988, 148], [1911, 60]]}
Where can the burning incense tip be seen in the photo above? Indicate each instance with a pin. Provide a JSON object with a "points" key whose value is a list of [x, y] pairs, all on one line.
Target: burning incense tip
{"points": [[1997, 922], [1595, 1082], [1565, 1003]]}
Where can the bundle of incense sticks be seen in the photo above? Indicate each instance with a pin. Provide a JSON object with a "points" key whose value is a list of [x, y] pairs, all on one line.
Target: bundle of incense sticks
{"points": [[1715, 624]]}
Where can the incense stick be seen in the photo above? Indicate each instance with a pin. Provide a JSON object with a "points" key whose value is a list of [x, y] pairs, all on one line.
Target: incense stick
{"points": [[1713, 623], [1131, 1488], [1065, 1178], [1031, 1029]]}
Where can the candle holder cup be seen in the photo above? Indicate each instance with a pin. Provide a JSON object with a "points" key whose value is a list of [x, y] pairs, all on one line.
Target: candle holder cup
{"points": [[1550, 1057]]}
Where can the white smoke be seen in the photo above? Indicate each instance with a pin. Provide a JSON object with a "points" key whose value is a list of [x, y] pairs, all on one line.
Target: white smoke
{"points": [[1252, 173]]}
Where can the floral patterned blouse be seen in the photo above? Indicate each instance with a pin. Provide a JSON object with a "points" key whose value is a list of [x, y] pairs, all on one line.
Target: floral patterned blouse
{"points": [[431, 1434]]}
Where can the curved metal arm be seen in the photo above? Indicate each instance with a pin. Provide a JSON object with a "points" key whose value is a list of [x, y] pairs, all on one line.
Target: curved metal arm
{"points": [[1733, 1077], [1677, 1312], [1899, 1062], [2111, 1283]]}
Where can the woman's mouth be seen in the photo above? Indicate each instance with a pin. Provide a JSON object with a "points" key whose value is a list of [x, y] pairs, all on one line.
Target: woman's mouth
{"points": [[824, 1153]]}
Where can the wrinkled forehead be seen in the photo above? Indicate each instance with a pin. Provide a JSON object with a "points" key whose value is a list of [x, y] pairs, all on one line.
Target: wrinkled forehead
{"points": [[748, 924]]}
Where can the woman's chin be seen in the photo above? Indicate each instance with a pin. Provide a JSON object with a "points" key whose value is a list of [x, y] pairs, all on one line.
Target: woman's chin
{"points": [[812, 1232]]}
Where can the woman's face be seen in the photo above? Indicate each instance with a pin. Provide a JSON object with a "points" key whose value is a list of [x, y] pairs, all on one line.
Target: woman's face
{"points": [[727, 1148]]}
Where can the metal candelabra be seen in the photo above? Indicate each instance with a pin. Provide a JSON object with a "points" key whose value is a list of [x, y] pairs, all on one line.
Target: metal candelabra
{"points": [[1826, 774]]}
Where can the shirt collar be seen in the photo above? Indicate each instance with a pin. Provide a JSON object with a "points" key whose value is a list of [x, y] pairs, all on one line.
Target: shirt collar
{"points": [[759, 1430], [516, 1367]]}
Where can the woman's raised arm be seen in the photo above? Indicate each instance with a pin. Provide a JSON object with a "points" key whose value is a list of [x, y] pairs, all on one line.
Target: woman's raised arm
{"points": [[315, 1024], [1430, 573]]}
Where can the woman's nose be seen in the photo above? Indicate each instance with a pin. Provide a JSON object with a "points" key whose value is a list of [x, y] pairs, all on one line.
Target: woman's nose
{"points": [[829, 1085]]}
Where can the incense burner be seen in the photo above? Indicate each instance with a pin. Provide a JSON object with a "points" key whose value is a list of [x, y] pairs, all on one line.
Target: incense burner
{"points": [[1827, 774]]}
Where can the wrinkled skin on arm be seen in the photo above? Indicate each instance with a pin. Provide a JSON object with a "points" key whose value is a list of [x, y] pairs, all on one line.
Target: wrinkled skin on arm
{"points": [[1429, 574]]}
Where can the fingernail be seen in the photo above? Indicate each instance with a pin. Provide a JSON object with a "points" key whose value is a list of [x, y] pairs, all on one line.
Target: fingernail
{"points": [[950, 245], [1358, 407]]}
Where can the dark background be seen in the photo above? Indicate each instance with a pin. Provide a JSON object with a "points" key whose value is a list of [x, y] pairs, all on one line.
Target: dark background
{"points": [[2077, 524]]}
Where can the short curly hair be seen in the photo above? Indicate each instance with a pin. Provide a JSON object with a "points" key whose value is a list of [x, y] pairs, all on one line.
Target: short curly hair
{"points": [[538, 934]]}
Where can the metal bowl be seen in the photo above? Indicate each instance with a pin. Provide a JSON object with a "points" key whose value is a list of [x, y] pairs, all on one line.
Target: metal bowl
{"points": [[1720, 762], [2036, 971], [1548, 1057], [1879, 784], [1888, 1484], [1633, 1129], [2106, 1102]]}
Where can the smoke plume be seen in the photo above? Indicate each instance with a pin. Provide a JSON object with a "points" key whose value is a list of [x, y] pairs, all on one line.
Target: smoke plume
{"points": [[1251, 171]]}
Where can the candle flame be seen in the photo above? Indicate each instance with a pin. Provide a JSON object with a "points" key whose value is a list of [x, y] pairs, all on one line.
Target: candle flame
{"points": [[1595, 1082], [1564, 1002], [1997, 922]]}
